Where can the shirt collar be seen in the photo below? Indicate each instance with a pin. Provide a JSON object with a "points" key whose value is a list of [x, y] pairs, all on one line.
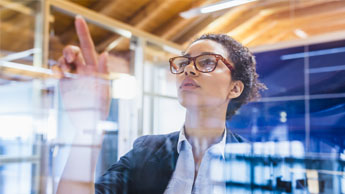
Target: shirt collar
{"points": [[216, 148]]}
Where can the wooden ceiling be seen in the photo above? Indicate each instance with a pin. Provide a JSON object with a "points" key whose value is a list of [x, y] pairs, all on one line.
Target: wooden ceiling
{"points": [[254, 24]]}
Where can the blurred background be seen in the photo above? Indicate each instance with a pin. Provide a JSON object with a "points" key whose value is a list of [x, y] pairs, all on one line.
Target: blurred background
{"points": [[297, 128]]}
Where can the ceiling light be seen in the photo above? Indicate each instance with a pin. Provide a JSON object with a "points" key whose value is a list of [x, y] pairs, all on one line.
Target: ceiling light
{"points": [[224, 5], [300, 33], [213, 7]]}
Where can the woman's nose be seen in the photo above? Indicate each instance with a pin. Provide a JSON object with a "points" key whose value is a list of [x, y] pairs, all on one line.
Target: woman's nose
{"points": [[190, 69]]}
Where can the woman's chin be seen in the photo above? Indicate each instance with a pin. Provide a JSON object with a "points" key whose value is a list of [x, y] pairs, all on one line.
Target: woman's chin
{"points": [[188, 99], [196, 101], [190, 105], [192, 102]]}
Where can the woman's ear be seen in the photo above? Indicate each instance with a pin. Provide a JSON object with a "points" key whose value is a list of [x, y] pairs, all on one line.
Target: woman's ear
{"points": [[236, 89]]}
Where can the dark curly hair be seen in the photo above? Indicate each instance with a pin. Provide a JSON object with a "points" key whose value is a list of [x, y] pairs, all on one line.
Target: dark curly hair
{"points": [[245, 70]]}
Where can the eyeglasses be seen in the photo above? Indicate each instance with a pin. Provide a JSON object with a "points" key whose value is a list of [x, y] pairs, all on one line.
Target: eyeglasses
{"points": [[204, 63]]}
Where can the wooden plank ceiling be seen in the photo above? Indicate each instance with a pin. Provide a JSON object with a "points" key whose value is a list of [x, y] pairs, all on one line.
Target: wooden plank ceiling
{"points": [[254, 24]]}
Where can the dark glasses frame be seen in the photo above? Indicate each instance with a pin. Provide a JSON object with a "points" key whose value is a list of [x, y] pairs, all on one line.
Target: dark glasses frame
{"points": [[217, 56]]}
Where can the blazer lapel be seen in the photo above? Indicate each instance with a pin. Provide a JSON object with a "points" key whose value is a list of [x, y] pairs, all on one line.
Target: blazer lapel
{"points": [[162, 164], [160, 167], [167, 155]]}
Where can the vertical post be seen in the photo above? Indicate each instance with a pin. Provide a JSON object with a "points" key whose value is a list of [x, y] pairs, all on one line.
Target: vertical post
{"points": [[152, 98], [131, 111], [40, 59], [306, 98], [139, 75], [41, 43]]}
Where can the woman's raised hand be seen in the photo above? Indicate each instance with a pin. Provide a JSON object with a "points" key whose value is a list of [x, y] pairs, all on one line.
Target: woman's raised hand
{"points": [[87, 89], [83, 60], [85, 97]]}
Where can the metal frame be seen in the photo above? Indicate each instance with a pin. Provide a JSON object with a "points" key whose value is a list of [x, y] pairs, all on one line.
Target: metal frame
{"points": [[16, 159], [41, 43], [40, 59], [307, 97], [138, 67]]}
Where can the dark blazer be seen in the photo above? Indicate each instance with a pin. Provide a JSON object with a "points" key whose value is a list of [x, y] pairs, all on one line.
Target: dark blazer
{"points": [[148, 167]]}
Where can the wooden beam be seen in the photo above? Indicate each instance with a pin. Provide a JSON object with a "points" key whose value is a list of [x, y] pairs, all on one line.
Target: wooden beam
{"points": [[19, 8], [65, 23], [259, 32], [189, 35], [15, 6], [15, 38], [331, 26], [158, 16], [109, 23], [176, 27], [256, 26], [181, 29], [218, 25], [323, 17], [303, 8], [333, 36], [134, 19], [235, 17], [238, 16], [248, 27], [119, 10]]}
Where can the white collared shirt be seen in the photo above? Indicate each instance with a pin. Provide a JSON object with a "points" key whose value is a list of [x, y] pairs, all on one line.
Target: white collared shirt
{"points": [[183, 177]]}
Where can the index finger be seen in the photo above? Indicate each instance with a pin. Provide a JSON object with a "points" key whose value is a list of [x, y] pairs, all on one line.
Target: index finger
{"points": [[86, 44]]}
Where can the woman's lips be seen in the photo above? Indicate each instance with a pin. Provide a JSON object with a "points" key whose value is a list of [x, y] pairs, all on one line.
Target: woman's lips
{"points": [[189, 84]]}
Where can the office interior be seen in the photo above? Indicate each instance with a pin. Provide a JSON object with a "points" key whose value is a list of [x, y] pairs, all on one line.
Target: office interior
{"points": [[296, 129]]}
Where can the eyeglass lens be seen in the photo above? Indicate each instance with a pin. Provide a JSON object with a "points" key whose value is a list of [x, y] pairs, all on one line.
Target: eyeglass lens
{"points": [[203, 63]]}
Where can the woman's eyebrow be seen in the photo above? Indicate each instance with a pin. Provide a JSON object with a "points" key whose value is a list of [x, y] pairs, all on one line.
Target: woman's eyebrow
{"points": [[203, 53]]}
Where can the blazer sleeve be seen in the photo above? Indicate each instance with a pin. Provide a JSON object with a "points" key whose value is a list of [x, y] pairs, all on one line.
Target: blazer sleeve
{"points": [[120, 175]]}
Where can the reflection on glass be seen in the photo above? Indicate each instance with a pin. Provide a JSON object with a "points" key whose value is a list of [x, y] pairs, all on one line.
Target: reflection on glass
{"points": [[63, 135]]}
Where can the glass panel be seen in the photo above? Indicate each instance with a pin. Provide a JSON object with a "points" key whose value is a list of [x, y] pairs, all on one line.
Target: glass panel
{"points": [[277, 68], [327, 125], [326, 68], [271, 121], [64, 135], [148, 115], [164, 81], [291, 130], [167, 121], [27, 113]]}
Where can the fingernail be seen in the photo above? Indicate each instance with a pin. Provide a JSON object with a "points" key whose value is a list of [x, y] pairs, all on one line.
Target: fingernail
{"points": [[79, 16]]}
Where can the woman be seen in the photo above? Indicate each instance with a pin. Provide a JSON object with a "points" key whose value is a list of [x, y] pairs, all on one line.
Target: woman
{"points": [[214, 71], [215, 76]]}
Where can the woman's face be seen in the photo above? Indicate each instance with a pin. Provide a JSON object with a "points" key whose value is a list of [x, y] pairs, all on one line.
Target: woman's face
{"points": [[202, 90]]}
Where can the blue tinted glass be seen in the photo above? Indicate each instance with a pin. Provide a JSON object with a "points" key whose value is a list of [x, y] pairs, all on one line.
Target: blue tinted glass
{"points": [[283, 76], [271, 121], [286, 112], [327, 54], [327, 68], [327, 125], [327, 82]]}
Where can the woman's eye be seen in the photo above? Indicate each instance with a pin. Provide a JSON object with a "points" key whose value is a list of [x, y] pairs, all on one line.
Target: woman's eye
{"points": [[182, 64], [206, 62]]}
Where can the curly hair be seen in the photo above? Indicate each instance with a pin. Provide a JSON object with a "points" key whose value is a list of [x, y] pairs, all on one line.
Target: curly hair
{"points": [[245, 70]]}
